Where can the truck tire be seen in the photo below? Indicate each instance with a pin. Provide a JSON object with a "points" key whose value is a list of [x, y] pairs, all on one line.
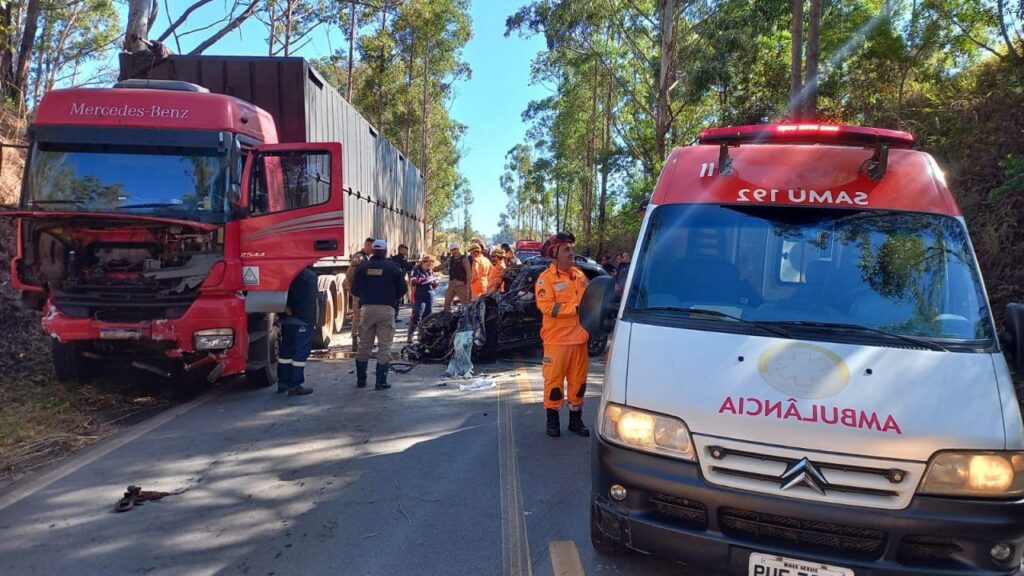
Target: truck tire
{"points": [[68, 363], [340, 309], [325, 325], [264, 343]]}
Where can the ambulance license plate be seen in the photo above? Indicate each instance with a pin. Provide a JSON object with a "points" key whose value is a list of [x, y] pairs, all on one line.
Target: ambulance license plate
{"points": [[770, 565]]}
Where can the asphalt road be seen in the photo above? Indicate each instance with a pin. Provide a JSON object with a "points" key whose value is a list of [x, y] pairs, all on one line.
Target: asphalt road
{"points": [[423, 479]]}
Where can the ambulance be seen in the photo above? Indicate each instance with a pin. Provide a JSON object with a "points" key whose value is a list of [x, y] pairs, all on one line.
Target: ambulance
{"points": [[805, 377]]}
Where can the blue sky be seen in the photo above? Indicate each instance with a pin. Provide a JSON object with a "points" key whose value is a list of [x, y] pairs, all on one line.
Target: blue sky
{"points": [[489, 104]]}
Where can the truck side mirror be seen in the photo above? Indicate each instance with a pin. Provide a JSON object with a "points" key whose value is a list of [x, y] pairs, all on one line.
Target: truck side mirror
{"points": [[598, 306], [1013, 337]]}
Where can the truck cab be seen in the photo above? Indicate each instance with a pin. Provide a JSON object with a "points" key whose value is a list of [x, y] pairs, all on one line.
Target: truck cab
{"points": [[805, 375], [161, 225]]}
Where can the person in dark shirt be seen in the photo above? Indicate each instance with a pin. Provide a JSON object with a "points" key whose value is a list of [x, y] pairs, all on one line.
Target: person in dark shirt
{"points": [[379, 284], [297, 325], [622, 272], [402, 260]]}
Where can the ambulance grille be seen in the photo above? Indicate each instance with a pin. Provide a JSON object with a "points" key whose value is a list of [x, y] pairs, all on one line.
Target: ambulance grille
{"points": [[804, 535], [682, 511], [847, 480]]}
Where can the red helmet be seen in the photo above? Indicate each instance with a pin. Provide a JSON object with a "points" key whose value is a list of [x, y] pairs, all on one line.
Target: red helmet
{"points": [[550, 246]]}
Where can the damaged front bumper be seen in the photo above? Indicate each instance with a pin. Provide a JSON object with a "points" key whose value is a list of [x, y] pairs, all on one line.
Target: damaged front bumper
{"points": [[153, 345]]}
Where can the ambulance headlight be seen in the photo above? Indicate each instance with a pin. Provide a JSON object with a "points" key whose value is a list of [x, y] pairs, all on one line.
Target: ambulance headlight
{"points": [[995, 474], [646, 431], [214, 339]]}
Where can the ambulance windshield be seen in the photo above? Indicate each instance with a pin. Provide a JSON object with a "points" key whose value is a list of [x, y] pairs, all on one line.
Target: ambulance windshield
{"points": [[908, 274], [173, 182]]}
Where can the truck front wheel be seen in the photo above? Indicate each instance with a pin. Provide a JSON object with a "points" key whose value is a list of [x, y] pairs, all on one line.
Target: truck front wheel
{"points": [[325, 329], [68, 363], [264, 342]]}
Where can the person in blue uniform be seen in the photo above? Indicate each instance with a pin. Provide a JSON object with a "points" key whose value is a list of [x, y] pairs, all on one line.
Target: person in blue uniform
{"points": [[297, 325]]}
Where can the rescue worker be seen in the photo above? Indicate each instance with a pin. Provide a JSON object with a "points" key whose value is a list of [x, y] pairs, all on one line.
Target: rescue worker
{"points": [[357, 260], [481, 270], [559, 290], [379, 284], [424, 282], [495, 279], [297, 333], [459, 275]]}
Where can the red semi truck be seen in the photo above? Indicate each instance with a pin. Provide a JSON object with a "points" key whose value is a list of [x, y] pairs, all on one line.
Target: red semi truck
{"points": [[162, 220]]}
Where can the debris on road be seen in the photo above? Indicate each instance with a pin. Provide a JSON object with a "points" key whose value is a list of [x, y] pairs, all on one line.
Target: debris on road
{"points": [[475, 385], [461, 364], [136, 496]]}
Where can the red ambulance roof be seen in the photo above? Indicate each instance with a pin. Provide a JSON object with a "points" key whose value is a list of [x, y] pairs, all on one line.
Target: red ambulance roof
{"points": [[774, 165], [151, 108]]}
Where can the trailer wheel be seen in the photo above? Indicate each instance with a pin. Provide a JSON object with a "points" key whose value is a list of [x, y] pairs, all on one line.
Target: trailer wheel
{"points": [[264, 343], [326, 328], [68, 363]]}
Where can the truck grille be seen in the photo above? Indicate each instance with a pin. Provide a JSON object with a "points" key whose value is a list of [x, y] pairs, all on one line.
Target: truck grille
{"points": [[807, 535], [854, 481]]}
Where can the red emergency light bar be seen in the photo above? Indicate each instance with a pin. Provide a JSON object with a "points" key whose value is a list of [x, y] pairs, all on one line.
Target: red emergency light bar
{"points": [[806, 134], [878, 139]]}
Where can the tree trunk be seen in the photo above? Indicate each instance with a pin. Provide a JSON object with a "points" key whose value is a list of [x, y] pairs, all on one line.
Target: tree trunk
{"points": [[28, 43], [137, 30], [7, 47], [796, 60], [351, 47], [813, 52], [288, 28], [663, 115], [424, 157], [601, 212]]}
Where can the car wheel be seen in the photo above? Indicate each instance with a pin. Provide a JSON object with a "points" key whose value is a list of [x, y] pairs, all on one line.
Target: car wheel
{"points": [[596, 345]]}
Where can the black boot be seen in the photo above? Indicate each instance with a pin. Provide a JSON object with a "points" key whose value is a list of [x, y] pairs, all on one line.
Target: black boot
{"points": [[382, 376], [361, 366], [576, 423], [554, 426]]}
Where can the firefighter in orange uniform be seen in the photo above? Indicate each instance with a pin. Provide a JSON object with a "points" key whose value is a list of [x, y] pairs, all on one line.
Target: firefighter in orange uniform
{"points": [[559, 290], [497, 273], [481, 270]]}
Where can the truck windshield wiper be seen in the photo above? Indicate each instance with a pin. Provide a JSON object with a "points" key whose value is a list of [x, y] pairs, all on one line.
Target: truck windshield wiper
{"points": [[149, 205], [63, 201], [919, 342], [717, 314]]}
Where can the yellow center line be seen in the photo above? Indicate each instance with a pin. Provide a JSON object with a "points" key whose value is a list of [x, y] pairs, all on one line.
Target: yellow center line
{"points": [[527, 395], [565, 558]]}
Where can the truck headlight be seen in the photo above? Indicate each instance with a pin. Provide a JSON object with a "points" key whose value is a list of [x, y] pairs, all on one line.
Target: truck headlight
{"points": [[996, 474], [646, 431], [214, 339]]}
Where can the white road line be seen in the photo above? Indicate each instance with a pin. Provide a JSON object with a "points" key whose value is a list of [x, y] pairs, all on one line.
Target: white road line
{"points": [[565, 558], [515, 549], [32, 484]]}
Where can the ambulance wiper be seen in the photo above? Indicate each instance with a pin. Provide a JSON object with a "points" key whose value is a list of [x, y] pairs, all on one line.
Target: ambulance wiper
{"points": [[919, 342], [717, 314]]}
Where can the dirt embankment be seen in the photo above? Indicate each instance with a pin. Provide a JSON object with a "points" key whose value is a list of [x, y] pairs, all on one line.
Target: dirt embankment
{"points": [[40, 419]]}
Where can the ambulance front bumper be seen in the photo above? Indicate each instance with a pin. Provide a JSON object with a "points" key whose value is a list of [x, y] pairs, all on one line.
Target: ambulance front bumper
{"points": [[669, 510]]}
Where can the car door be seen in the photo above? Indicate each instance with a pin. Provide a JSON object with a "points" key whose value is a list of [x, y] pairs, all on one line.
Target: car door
{"points": [[293, 216]]}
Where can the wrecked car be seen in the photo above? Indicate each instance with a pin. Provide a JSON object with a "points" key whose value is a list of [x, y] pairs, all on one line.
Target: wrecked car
{"points": [[500, 321]]}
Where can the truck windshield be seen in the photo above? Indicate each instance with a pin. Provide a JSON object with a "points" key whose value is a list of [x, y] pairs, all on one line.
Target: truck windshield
{"points": [[841, 274], [172, 182]]}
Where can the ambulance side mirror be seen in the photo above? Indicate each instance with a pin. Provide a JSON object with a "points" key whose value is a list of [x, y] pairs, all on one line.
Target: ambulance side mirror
{"points": [[1012, 337], [599, 307]]}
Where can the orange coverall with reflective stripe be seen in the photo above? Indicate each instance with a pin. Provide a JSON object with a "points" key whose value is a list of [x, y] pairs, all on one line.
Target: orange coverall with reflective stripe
{"points": [[565, 341], [481, 269], [494, 276]]}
